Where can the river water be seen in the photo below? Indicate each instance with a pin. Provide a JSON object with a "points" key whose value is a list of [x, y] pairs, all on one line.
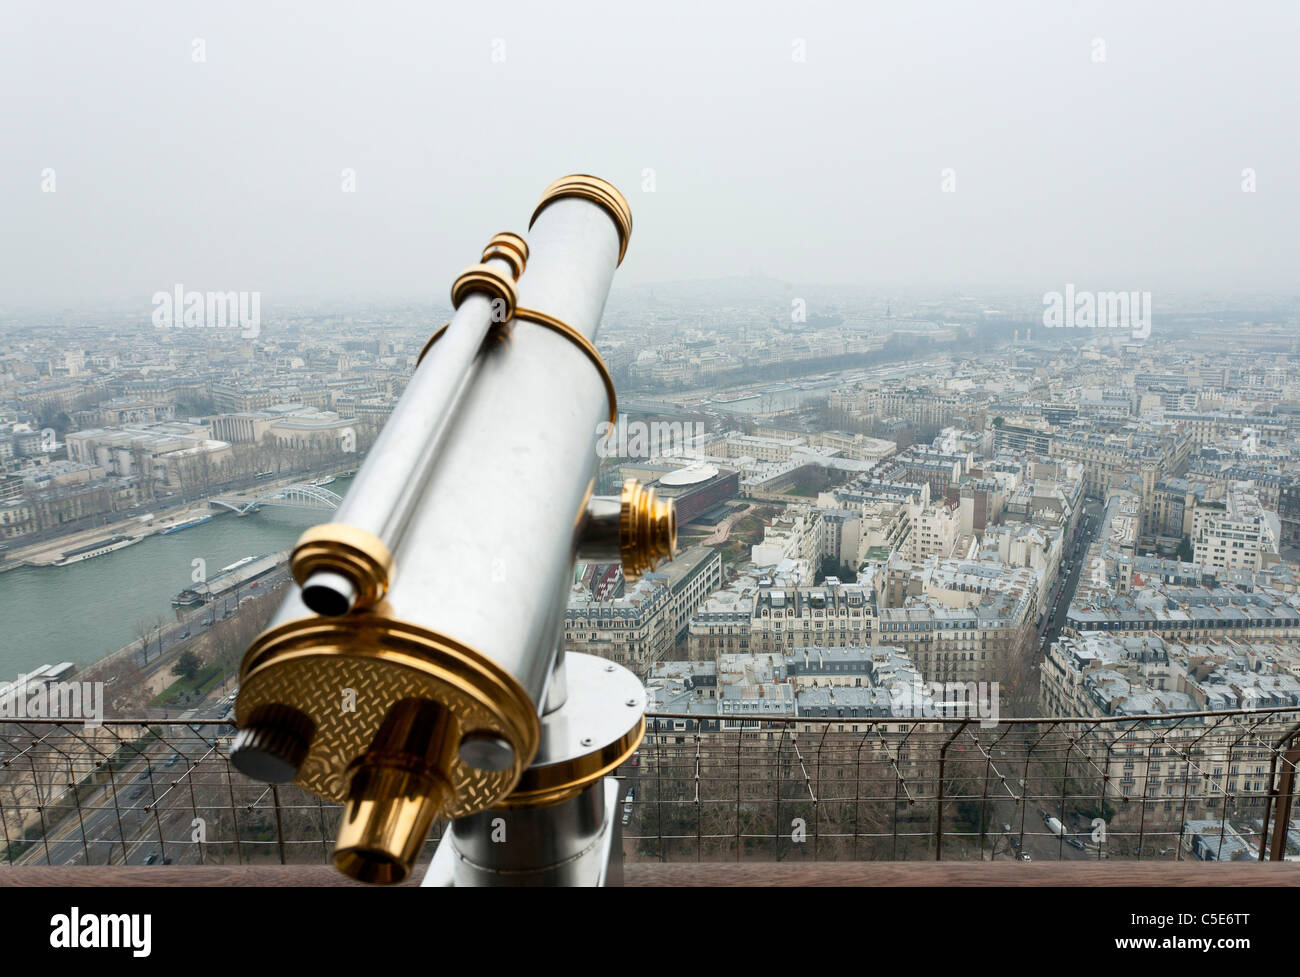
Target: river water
{"points": [[80, 613]]}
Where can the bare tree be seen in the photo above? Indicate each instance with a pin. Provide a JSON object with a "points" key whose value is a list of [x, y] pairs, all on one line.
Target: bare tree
{"points": [[1022, 672]]}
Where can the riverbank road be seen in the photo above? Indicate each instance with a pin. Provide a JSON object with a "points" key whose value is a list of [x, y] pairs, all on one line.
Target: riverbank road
{"points": [[144, 522], [142, 519]]}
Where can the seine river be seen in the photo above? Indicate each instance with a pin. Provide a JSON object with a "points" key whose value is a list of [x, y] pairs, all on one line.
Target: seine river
{"points": [[80, 613]]}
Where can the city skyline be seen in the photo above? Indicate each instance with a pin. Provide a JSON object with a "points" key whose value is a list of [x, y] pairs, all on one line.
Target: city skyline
{"points": [[681, 445], [1011, 149]]}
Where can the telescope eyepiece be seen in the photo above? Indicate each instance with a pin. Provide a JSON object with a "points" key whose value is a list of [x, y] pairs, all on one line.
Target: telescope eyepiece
{"points": [[328, 593]]}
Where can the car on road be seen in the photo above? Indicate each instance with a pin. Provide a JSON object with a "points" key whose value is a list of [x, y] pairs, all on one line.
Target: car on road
{"points": [[1074, 843], [151, 858], [137, 793], [1026, 857], [184, 634], [627, 807], [1006, 828], [144, 775], [173, 759], [636, 758]]}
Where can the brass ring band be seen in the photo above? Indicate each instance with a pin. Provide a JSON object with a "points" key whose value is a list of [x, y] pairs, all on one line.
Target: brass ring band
{"points": [[510, 239], [360, 556], [598, 192], [510, 248], [486, 279], [584, 344], [508, 255], [539, 786], [564, 329]]}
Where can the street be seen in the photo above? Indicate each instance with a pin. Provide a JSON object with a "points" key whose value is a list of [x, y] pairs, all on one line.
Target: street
{"points": [[192, 620], [147, 796], [1089, 523]]}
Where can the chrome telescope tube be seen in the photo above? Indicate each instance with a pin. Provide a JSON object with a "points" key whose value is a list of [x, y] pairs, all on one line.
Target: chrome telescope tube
{"points": [[490, 550], [388, 487], [419, 692]]}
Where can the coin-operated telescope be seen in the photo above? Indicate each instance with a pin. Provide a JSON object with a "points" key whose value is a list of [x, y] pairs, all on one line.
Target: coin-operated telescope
{"points": [[415, 671]]}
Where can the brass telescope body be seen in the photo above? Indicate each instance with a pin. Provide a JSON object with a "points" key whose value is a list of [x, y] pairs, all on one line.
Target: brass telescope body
{"points": [[407, 677]]}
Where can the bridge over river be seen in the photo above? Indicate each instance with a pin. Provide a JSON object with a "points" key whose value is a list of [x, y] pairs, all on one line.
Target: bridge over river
{"points": [[299, 495]]}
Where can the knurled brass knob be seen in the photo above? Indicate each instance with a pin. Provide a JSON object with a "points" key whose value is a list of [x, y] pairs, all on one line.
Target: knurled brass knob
{"points": [[273, 746], [647, 529]]}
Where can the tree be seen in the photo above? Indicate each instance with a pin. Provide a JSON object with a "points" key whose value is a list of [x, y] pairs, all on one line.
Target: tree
{"points": [[1022, 671], [187, 666], [143, 629], [126, 685]]}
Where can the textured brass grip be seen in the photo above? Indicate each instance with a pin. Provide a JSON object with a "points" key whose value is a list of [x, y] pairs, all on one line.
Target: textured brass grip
{"points": [[379, 713], [596, 190], [647, 529]]}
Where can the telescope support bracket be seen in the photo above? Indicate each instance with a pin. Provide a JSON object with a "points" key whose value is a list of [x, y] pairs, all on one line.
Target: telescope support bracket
{"points": [[598, 862], [561, 825]]}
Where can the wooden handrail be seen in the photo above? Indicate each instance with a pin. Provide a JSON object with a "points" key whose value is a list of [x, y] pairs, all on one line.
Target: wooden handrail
{"points": [[874, 874]]}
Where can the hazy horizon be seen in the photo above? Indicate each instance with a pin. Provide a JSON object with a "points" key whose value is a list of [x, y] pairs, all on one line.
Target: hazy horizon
{"points": [[227, 173]]}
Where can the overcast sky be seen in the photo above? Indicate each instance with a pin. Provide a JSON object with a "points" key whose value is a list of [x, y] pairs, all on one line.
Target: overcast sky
{"points": [[226, 173]]}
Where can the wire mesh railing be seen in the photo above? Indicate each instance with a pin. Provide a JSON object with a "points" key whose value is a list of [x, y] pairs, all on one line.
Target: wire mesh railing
{"points": [[1210, 786], [1204, 785]]}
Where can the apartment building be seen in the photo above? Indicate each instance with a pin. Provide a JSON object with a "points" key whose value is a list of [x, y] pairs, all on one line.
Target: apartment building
{"points": [[935, 529], [1188, 612], [977, 643], [634, 629], [1234, 534], [834, 614], [774, 616], [1193, 765], [644, 624]]}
